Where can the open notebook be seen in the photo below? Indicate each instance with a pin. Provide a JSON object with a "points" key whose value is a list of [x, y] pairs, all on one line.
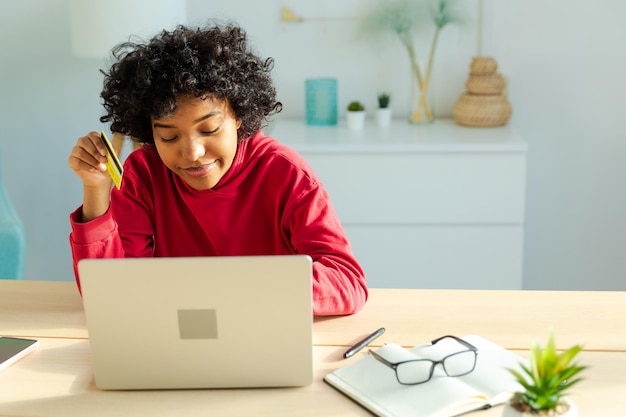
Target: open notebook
{"points": [[374, 385], [202, 322]]}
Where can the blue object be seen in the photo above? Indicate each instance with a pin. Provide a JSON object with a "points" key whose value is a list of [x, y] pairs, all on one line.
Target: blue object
{"points": [[12, 238], [321, 101]]}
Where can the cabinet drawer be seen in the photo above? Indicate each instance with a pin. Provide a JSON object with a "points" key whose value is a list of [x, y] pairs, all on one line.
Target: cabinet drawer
{"points": [[468, 257], [448, 188]]}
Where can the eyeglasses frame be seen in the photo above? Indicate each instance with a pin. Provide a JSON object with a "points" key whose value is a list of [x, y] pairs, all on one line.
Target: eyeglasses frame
{"points": [[395, 365]]}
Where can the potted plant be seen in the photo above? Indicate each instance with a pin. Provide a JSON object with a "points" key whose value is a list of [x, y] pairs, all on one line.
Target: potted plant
{"points": [[356, 115], [383, 113], [545, 379]]}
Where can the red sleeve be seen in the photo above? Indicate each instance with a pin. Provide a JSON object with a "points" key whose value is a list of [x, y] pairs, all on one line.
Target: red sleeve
{"points": [[98, 238], [339, 285], [338, 289]]}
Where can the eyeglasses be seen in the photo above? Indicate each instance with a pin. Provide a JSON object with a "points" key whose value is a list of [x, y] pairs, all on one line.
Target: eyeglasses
{"points": [[418, 371]]}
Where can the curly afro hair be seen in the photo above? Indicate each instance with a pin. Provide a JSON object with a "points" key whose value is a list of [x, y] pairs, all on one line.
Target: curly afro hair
{"points": [[147, 79]]}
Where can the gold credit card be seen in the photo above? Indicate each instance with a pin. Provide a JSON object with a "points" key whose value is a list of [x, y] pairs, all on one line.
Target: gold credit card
{"points": [[114, 167]]}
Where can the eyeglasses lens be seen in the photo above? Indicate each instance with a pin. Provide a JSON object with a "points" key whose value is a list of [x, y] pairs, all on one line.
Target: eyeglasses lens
{"points": [[460, 363], [414, 372]]}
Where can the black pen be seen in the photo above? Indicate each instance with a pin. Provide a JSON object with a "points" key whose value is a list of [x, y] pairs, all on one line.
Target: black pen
{"points": [[361, 344]]}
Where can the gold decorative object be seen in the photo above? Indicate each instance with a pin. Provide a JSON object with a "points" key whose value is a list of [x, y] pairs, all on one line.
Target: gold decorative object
{"points": [[484, 104], [287, 15]]}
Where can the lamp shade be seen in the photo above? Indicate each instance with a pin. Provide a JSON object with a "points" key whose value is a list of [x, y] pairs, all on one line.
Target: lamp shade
{"points": [[99, 25]]}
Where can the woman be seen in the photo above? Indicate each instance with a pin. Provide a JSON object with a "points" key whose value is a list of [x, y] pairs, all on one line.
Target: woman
{"points": [[207, 181]]}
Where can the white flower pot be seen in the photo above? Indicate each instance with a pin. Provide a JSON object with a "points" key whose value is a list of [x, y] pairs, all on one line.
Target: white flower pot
{"points": [[356, 120], [383, 117], [512, 412]]}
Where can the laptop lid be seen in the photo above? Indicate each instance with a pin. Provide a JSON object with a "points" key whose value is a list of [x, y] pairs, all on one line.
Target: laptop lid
{"points": [[201, 322]]}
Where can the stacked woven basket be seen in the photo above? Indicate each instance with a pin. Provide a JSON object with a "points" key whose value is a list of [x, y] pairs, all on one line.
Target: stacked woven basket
{"points": [[483, 104]]}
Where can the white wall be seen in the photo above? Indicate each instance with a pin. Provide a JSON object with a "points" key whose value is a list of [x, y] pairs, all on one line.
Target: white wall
{"points": [[563, 59]]}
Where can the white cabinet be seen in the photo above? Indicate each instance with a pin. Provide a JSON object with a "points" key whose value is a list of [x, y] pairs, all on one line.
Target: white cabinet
{"points": [[428, 206]]}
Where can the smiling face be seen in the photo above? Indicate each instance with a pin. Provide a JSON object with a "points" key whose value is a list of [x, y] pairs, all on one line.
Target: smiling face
{"points": [[198, 141]]}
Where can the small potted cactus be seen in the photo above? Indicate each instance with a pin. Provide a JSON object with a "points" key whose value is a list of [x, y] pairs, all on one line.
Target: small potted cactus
{"points": [[383, 112], [356, 115], [545, 379]]}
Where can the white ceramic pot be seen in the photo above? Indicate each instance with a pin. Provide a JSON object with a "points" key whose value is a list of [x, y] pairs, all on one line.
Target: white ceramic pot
{"points": [[512, 412], [383, 117], [356, 120]]}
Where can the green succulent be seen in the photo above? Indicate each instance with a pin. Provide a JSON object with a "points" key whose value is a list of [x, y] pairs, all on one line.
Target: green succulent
{"points": [[356, 106], [383, 100], [546, 378]]}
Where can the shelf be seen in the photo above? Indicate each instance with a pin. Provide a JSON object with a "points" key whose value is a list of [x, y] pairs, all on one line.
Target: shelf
{"points": [[443, 135]]}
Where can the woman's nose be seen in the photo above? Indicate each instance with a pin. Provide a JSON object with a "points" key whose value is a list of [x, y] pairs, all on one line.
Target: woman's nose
{"points": [[193, 149]]}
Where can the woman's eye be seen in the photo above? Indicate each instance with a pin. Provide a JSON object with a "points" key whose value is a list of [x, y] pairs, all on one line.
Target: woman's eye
{"points": [[169, 139], [210, 132]]}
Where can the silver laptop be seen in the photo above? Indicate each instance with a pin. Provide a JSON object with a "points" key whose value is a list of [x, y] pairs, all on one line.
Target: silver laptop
{"points": [[202, 322]]}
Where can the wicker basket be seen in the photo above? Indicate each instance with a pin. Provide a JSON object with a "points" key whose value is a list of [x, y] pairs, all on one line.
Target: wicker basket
{"points": [[483, 65], [485, 84], [482, 111]]}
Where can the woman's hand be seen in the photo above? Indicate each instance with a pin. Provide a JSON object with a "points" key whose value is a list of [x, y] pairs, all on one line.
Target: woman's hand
{"points": [[88, 160]]}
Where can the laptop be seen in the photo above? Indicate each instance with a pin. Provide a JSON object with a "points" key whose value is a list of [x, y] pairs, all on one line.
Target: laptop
{"points": [[199, 322]]}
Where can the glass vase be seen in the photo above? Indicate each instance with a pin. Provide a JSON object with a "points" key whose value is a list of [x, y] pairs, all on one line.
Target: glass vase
{"points": [[421, 110]]}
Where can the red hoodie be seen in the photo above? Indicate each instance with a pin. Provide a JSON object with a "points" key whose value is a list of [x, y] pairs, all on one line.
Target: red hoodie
{"points": [[269, 202]]}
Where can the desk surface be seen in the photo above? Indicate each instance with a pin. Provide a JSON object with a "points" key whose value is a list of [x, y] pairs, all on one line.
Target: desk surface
{"points": [[513, 319], [57, 380]]}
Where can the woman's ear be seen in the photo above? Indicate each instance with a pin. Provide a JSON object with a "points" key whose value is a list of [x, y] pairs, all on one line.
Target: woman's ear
{"points": [[238, 122]]}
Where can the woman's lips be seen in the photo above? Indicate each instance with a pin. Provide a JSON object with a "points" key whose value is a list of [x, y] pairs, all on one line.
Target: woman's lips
{"points": [[199, 171]]}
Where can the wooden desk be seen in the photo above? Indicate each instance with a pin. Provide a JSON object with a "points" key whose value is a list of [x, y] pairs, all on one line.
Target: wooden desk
{"points": [[512, 319], [41, 309], [56, 380]]}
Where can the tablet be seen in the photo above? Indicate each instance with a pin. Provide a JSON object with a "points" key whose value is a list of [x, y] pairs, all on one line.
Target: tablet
{"points": [[12, 349]]}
